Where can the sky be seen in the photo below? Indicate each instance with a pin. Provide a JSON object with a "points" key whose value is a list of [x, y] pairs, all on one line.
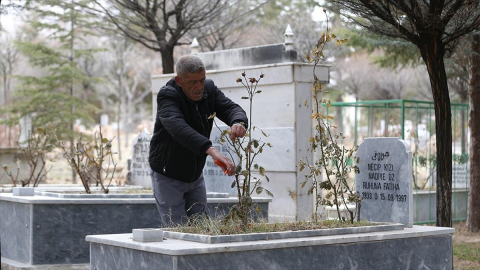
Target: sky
{"points": [[9, 22]]}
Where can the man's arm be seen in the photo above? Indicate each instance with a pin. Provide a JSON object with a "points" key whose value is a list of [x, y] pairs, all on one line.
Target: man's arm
{"points": [[216, 155], [237, 130], [226, 110]]}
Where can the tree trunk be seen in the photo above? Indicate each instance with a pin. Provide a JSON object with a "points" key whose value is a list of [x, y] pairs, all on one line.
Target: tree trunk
{"points": [[119, 116], [473, 217], [167, 59], [463, 129], [5, 102], [432, 51], [72, 58]]}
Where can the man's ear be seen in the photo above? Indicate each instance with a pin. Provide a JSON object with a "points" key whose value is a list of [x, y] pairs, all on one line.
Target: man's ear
{"points": [[178, 80]]}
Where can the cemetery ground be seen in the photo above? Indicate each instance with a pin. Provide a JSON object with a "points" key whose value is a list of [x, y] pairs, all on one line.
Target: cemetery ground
{"points": [[466, 245], [466, 248]]}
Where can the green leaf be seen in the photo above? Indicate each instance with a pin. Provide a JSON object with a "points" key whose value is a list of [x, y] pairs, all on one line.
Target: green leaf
{"points": [[255, 166], [269, 193], [233, 184], [244, 97], [259, 209], [326, 185], [105, 140], [266, 177], [259, 190], [261, 171]]}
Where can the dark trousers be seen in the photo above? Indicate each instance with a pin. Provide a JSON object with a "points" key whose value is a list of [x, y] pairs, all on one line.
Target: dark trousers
{"points": [[178, 201]]}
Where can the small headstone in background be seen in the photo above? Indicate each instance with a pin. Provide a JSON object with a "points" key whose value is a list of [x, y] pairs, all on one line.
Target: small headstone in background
{"points": [[460, 175], [385, 180], [104, 119], [139, 167], [25, 130]]}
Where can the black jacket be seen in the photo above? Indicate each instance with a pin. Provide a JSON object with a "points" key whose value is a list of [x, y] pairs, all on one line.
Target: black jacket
{"points": [[182, 129]]}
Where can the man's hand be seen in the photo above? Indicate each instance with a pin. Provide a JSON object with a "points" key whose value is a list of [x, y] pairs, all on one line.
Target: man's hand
{"points": [[237, 130], [216, 155]]}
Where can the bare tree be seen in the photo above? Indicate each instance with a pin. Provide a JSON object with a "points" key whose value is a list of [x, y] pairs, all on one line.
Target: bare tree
{"points": [[277, 15], [91, 68], [128, 72], [160, 25], [354, 74], [220, 34], [9, 57], [391, 84], [360, 75], [224, 33], [435, 27]]}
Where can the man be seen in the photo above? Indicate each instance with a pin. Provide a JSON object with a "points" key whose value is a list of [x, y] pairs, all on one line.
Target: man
{"points": [[180, 142]]}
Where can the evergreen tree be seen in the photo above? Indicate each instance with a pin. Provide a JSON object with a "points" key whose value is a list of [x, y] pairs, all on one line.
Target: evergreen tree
{"points": [[53, 99], [434, 27]]}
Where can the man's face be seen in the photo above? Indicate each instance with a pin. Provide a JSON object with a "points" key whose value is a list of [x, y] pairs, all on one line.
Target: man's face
{"points": [[192, 84]]}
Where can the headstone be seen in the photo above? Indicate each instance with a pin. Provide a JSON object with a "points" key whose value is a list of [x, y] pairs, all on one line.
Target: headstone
{"points": [[460, 175], [385, 181], [140, 168], [104, 119], [215, 179], [25, 130]]}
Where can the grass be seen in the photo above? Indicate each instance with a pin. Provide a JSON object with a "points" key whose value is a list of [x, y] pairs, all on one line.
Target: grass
{"points": [[218, 227], [467, 251], [466, 248], [122, 191]]}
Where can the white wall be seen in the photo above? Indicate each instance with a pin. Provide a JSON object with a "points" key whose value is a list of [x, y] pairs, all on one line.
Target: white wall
{"points": [[279, 110]]}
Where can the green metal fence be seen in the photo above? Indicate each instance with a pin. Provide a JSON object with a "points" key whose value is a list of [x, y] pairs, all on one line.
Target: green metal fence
{"points": [[414, 122]]}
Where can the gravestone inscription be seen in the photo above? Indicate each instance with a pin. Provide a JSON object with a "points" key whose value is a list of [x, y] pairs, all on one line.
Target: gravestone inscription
{"points": [[139, 167], [385, 180]]}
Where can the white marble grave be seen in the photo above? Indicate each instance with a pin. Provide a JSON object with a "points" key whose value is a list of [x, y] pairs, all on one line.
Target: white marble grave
{"points": [[280, 112]]}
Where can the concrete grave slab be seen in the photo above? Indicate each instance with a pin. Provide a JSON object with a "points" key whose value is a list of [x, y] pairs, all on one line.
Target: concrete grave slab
{"points": [[419, 247]]}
